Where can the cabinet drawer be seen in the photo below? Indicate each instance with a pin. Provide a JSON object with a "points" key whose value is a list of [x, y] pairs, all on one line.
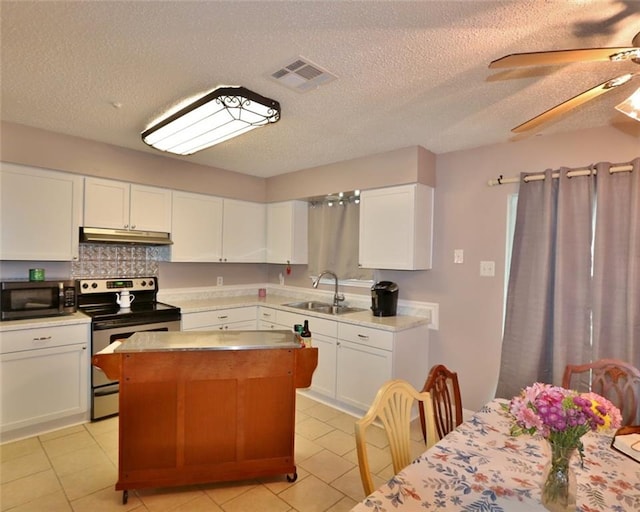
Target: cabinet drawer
{"points": [[217, 317], [316, 325], [366, 336], [43, 337]]}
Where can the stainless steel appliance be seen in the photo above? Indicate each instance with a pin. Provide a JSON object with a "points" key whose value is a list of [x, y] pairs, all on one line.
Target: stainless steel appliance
{"points": [[109, 322], [384, 298], [34, 299]]}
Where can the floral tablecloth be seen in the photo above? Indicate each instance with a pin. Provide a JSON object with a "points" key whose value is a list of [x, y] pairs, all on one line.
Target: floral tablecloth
{"points": [[480, 467]]}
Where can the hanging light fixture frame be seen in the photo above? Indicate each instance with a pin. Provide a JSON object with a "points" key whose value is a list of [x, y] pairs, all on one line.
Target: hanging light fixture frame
{"points": [[220, 115]]}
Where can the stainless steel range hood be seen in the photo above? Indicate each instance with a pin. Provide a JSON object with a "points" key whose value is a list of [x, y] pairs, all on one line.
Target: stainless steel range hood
{"points": [[123, 236]]}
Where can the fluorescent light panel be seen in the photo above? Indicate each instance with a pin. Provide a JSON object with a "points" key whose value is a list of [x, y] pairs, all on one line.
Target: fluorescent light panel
{"points": [[220, 115]]}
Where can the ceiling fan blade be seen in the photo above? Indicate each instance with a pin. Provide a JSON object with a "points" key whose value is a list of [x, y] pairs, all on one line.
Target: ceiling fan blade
{"points": [[562, 57], [574, 102]]}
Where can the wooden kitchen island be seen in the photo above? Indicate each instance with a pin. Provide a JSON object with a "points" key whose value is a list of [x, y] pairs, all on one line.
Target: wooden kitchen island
{"points": [[206, 406]]}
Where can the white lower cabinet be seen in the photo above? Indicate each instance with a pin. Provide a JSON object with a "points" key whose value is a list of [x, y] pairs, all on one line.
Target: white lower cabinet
{"points": [[353, 360], [237, 319], [361, 371], [367, 357], [44, 375], [323, 336]]}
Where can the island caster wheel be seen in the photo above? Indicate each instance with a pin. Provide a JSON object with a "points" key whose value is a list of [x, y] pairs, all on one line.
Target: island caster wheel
{"points": [[125, 497], [293, 477]]}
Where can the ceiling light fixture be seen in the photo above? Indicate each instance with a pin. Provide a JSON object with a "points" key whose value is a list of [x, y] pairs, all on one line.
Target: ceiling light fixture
{"points": [[631, 106], [220, 115]]}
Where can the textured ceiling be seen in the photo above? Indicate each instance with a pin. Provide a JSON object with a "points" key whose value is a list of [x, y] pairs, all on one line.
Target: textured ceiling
{"points": [[409, 73]]}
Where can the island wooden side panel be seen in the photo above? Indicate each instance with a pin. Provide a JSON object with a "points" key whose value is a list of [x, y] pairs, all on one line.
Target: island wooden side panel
{"points": [[208, 415]]}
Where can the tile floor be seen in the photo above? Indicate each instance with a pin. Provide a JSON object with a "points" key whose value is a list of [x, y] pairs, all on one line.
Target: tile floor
{"points": [[75, 469]]}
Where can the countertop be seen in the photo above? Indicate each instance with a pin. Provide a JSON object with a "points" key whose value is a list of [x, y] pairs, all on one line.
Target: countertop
{"points": [[195, 305], [364, 318], [51, 321], [207, 340]]}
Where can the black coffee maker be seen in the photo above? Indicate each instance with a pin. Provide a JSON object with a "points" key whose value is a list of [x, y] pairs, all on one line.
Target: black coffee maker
{"points": [[384, 298]]}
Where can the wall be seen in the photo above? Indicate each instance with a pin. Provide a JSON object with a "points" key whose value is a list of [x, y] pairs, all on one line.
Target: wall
{"points": [[40, 148], [406, 165], [469, 215]]}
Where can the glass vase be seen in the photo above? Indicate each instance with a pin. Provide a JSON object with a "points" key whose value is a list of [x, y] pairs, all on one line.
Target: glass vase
{"points": [[559, 487]]}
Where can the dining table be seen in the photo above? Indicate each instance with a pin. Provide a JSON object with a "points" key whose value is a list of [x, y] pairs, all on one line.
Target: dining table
{"points": [[480, 466]]}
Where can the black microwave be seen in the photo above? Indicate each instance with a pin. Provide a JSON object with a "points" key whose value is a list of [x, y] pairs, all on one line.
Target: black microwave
{"points": [[34, 299]]}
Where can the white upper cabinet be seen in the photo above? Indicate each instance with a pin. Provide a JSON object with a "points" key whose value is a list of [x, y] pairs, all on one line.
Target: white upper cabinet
{"points": [[196, 229], [119, 205], [287, 232], [40, 213], [396, 227], [244, 231], [211, 229]]}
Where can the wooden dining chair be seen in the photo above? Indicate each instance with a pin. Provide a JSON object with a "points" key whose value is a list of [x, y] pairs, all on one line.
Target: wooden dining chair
{"points": [[444, 388], [615, 380], [392, 406]]}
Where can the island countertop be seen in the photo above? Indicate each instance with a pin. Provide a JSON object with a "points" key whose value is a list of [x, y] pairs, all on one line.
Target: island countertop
{"points": [[162, 341]]}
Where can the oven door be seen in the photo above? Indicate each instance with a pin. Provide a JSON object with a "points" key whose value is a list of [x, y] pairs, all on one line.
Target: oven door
{"points": [[104, 391]]}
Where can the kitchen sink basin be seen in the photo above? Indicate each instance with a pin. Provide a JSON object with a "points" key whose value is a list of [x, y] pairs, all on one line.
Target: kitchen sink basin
{"points": [[310, 305], [323, 307]]}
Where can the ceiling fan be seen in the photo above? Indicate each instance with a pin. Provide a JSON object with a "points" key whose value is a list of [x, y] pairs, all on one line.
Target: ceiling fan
{"points": [[566, 56]]}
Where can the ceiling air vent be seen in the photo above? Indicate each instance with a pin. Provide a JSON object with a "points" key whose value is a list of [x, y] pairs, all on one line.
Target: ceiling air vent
{"points": [[302, 75]]}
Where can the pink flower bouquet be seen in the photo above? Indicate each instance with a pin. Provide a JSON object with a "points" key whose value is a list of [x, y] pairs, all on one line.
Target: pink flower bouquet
{"points": [[561, 415]]}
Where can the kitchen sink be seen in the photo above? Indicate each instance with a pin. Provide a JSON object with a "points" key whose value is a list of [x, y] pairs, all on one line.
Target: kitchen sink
{"points": [[323, 307]]}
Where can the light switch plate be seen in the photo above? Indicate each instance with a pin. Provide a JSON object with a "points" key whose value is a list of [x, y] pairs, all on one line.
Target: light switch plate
{"points": [[458, 256]]}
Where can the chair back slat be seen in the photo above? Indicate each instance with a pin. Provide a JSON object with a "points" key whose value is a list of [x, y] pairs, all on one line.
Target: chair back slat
{"points": [[444, 388], [392, 407]]}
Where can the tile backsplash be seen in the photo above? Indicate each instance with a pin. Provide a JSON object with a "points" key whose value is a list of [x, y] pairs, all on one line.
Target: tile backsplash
{"points": [[114, 260]]}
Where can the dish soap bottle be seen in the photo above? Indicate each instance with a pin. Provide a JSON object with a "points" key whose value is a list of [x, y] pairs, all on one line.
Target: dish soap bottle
{"points": [[305, 335]]}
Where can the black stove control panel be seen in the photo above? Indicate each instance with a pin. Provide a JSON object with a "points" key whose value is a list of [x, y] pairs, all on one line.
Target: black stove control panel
{"points": [[86, 286]]}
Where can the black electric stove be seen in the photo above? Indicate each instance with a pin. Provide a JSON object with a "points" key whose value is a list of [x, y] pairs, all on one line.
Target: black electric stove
{"points": [[98, 299]]}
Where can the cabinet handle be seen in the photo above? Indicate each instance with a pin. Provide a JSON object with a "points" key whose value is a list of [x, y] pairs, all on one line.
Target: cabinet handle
{"points": [[133, 226], [267, 315], [222, 317], [42, 338], [126, 226], [363, 337]]}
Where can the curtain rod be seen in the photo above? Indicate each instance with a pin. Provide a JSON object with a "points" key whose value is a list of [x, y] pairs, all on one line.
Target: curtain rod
{"points": [[539, 177]]}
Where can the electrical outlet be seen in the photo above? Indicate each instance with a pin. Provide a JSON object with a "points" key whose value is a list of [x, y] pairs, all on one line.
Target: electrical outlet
{"points": [[458, 256], [487, 268], [219, 281]]}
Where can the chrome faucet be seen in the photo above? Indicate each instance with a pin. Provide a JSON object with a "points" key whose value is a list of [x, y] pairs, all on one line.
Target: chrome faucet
{"points": [[337, 297]]}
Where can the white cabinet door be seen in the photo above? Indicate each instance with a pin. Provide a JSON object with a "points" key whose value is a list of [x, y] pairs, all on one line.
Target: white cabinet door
{"points": [[119, 205], [40, 214], [43, 385], [196, 228], [324, 376], [106, 203], [287, 227], [361, 371], [150, 209], [243, 232], [396, 225]]}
